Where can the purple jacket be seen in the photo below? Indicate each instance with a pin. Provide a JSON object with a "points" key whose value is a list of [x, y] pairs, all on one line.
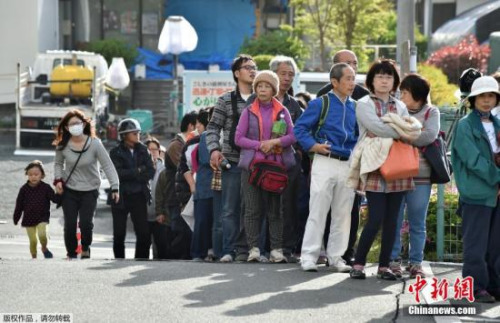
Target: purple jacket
{"points": [[250, 132]]}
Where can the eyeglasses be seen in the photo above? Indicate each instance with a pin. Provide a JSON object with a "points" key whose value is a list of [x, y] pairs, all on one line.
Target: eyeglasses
{"points": [[384, 77], [75, 123], [249, 67]]}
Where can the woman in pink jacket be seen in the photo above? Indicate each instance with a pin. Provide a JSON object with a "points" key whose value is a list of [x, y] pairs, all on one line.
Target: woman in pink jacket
{"points": [[257, 140]]}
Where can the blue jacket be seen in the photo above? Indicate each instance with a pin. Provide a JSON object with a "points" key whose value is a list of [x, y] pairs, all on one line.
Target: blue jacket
{"points": [[340, 129], [474, 167]]}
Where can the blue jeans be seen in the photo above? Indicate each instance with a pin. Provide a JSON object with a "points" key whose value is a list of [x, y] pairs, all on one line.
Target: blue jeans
{"points": [[231, 208], [202, 233], [416, 202], [217, 224]]}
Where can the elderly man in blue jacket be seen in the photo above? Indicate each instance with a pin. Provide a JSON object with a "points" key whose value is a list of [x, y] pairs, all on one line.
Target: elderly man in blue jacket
{"points": [[330, 132]]}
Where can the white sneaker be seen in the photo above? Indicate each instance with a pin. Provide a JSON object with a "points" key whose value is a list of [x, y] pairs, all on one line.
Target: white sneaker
{"points": [[253, 255], [308, 266], [277, 256], [226, 258], [338, 265]]}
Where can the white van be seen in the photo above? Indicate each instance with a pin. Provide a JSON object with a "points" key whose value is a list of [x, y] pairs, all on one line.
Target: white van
{"points": [[312, 82]]}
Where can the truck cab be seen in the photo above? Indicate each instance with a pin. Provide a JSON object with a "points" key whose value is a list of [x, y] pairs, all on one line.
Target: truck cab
{"points": [[58, 82]]}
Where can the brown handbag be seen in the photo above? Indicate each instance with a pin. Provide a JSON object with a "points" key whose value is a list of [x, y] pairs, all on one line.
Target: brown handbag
{"points": [[401, 163]]}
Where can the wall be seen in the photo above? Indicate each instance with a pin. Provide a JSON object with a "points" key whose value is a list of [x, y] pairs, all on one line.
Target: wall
{"points": [[26, 27]]}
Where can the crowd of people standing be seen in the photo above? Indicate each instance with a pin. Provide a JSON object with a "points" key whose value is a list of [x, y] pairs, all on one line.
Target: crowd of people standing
{"points": [[269, 176]]}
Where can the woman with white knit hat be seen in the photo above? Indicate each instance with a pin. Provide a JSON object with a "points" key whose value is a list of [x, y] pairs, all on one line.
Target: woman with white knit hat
{"points": [[258, 140]]}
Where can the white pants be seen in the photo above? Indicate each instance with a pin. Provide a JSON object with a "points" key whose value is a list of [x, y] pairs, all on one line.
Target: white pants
{"points": [[328, 189]]}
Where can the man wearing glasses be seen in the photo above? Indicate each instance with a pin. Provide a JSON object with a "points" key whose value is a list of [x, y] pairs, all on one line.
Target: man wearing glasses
{"points": [[225, 118]]}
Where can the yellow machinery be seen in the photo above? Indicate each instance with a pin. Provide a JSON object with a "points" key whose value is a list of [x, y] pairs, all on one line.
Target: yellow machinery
{"points": [[71, 81]]}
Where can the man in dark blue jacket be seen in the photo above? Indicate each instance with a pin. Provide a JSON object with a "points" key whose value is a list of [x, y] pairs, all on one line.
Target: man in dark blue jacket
{"points": [[135, 169], [331, 138]]}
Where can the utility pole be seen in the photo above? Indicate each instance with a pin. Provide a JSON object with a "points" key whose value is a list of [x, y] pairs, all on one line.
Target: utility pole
{"points": [[405, 33]]}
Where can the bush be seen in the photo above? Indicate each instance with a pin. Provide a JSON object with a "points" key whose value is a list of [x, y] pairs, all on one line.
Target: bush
{"points": [[278, 42], [263, 61], [110, 48], [442, 92], [452, 222], [452, 60]]}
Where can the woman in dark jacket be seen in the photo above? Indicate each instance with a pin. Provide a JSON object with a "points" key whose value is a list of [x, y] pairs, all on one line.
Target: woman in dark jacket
{"points": [[135, 169]]}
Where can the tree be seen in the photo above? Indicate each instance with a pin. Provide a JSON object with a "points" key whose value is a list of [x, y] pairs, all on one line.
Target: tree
{"points": [[348, 23], [284, 41], [317, 19]]}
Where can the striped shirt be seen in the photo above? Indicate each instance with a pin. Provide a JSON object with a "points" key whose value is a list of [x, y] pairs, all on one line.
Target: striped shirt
{"points": [[222, 119]]}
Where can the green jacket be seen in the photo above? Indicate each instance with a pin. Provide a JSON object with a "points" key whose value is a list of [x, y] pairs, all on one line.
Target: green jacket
{"points": [[476, 173]]}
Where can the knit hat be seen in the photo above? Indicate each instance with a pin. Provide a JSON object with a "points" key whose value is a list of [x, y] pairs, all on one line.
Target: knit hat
{"points": [[269, 77]]}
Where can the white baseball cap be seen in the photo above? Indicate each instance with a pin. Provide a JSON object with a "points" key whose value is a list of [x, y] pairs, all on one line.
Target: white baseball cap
{"points": [[484, 84]]}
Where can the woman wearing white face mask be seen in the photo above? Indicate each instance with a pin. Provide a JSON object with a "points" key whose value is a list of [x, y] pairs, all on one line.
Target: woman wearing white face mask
{"points": [[76, 174]]}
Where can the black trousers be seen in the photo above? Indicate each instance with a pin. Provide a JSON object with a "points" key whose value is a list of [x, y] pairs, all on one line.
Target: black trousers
{"points": [[78, 205], [289, 209], [383, 211], [161, 236], [135, 204], [481, 241]]}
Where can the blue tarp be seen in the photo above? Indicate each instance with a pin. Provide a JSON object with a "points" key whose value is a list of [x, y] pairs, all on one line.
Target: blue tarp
{"points": [[222, 25]]}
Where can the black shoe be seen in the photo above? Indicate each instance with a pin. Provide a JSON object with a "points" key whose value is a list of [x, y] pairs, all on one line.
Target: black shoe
{"points": [[495, 293], [348, 260], [291, 259], [386, 275], [483, 296], [85, 254], [357, 274]]}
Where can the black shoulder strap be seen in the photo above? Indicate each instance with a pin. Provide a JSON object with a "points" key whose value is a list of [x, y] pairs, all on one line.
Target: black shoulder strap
{"points": [[80, 153], [325, 107], [234, 103]]}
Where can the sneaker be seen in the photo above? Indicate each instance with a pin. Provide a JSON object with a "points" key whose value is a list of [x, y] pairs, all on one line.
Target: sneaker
{"points": [[483, 296], [290, 258], [416, 270], [226, 258], [395, 267], [322, 260], [209, 258], [197, 259], [309, 266], [85, 254], [242, 256], [253, 255], [47, 254], [338, 265], [277, 256], [386, 274], [357, 272], [263, 258]]}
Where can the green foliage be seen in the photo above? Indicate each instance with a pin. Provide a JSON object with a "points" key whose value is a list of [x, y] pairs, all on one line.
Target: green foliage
{"points": [[110, 48], [284, 41], [389, 36], [452, 228], [340, 23], [263, 61], [442, 92]]}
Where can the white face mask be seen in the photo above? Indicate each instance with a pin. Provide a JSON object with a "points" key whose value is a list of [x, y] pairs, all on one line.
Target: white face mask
{"points": [[76, 130]]}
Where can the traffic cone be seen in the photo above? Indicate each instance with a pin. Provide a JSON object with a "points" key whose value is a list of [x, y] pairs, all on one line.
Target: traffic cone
{"points": [[78, 239]]}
